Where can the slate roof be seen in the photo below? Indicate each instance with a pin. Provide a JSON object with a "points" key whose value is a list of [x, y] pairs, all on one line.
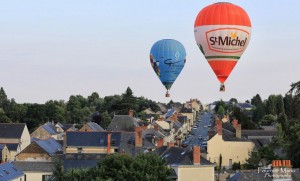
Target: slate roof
{"points": [[179, 156], [11, 130], [228, 126], [170, 112], [260, 142], [71, 161], [151, 131], [9, 172], [95, 126], [51, 129], [186, 110], [229, 136], [124, 141], [35, 166], [65, 127], [1, 148], [51, 146], [269, 133], [12, 146], [122, 123], [182, 118], [242, 176]]}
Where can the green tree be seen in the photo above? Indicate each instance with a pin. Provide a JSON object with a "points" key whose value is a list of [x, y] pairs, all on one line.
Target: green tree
{"points": [[279, 105], [16, 112], [256, 100], [58, 172], [128, 101], [4, 102], [282, 119], [271, 105], [221, 111], [3, 117], [293, 148]]}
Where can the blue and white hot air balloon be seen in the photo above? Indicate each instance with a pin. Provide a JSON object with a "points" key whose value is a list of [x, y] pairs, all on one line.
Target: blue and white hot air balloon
{"points": [[167, 58]]}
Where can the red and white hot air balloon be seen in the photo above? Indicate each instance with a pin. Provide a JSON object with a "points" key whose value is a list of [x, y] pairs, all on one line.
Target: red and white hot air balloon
{"points": [[222, 32]]}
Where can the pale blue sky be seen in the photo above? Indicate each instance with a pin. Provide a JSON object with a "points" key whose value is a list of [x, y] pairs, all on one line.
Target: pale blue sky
{"points": [[51, 49]]}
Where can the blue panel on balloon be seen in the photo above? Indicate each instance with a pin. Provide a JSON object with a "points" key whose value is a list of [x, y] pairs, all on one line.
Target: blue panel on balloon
{"points": [[167, 58]]}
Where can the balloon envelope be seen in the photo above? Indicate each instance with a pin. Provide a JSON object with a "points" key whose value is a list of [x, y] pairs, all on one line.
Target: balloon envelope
{"points": [[222, 32], [167, 58]]}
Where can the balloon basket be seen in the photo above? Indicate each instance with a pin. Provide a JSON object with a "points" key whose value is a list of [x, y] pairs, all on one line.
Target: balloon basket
{"points": [[222, 88], [167, 94]]}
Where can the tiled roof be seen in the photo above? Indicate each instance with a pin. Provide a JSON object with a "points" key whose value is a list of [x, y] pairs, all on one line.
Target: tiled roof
{"points": [[122, 123], [95, 126], [35, 166], [51, 146], [9, 172], [179, 156], [11, 130]]}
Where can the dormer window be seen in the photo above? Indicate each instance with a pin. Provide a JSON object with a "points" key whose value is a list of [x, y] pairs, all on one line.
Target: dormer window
{"points": [[79, 150]]}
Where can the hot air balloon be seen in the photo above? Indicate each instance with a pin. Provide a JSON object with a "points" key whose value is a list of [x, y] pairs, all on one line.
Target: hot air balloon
{"points": [[167, 58], [222, 32]]}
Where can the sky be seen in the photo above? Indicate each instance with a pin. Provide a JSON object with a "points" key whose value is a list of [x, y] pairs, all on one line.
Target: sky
{"points": [[52, 49]]}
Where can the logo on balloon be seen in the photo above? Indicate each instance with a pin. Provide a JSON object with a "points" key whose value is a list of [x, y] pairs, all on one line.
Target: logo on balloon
{"points": [[227, 40]]}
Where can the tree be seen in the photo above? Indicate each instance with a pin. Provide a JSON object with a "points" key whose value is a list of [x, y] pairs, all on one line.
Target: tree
{"points": [[3, 117], [4, 102], [282, 119], [256, 100], [121, 167], [271, 105], [58, 172], [233, 100], [279, 105], [128, 101], [221, 111], [221, 103], [293, 148]]}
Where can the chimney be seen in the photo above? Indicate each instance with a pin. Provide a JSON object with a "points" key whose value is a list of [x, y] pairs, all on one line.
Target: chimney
{"points": [[171, 144], [138, 137], [196, 155], [130, 112], [219, 126], [238, 131], [108, 143], [156, 127], [159, 143], [235, 122], [144, 127]]}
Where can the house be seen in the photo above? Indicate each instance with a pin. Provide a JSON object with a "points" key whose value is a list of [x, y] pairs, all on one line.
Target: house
{"points": [[36, 171], [194, 104], [191, 116], [232, 147], [9, 172], [16, 137], [91, 126], [65, 127], [123, 123], [187, 164], [46, 131], [4, 153], [40, 150], [106, 142]]}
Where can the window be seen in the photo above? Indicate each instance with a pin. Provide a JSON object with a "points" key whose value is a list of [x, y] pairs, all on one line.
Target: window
{"points": [[46, 177], [79, 149]]}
